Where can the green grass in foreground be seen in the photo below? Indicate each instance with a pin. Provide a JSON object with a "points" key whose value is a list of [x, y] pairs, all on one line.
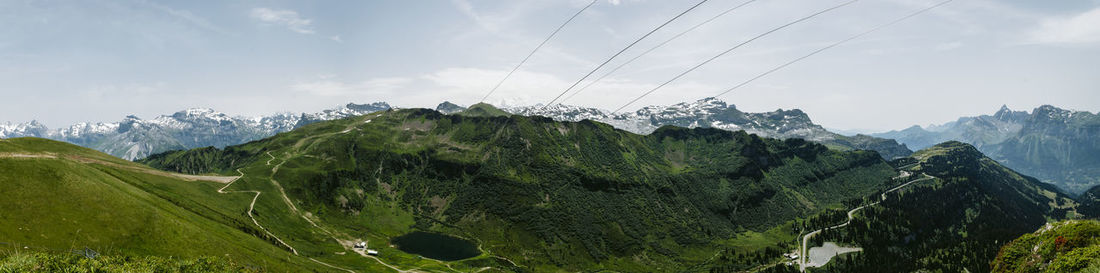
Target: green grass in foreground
{"points": [[1070, 246], [15, 261], [61, 203]]}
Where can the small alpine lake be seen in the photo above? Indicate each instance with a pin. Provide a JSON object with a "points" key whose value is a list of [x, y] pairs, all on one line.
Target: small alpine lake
{"points": [[436, 246]]}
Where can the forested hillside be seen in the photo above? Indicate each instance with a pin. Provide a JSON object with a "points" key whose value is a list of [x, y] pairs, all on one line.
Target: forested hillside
{"points": [[1090, 203], [551, 195], [954, 223]]}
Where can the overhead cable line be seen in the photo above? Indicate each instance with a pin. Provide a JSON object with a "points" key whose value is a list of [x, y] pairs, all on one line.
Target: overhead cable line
{"points": [[537, 49], [623, 50], [731, 49], [857, 36], [613, 70]]}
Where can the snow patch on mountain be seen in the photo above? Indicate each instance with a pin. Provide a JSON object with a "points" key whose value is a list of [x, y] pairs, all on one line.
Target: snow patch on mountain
{"points": [[714, 113], [708, 113]]}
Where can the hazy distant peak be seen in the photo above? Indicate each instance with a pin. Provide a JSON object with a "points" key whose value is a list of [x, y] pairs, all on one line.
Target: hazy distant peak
{"points": [[375, 106], [1005, 114]]}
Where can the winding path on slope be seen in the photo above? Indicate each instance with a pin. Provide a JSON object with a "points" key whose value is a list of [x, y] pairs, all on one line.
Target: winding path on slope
{"points": [[251, 207], [851, 214], [347, 244], [227, 180]]}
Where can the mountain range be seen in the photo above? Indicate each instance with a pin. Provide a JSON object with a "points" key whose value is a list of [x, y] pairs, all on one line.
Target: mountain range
{"points": [[547, 195], [714, 113], [521, 194], [1057, 146], [566, 196], [134, 138]]}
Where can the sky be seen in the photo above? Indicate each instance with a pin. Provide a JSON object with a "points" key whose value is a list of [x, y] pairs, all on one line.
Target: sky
{"points": [[63, 62]]}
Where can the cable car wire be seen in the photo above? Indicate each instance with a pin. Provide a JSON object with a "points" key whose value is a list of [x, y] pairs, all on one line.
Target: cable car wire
{"points": [[536, 50], [731, 49], [857, 36], [613, 70], [623, 50]]}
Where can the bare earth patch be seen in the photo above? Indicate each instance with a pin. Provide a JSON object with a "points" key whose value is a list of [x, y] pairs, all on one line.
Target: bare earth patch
{"points": [[819, 256]]}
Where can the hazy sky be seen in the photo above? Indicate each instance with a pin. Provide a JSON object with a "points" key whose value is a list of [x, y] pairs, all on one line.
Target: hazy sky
{"points": [[67, 61]]}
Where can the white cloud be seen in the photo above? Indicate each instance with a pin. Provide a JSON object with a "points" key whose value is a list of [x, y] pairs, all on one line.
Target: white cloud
{"points": [[948, 46], [104, 92], [288, 18], [487, 22], [1079, 29], [466, 85], [329, 86], [186, 16]]}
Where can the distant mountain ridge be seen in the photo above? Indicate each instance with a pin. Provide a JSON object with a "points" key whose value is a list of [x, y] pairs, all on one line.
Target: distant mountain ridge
{"points": [[714, 113], [134, 138], [979, 131], [1055, 145]]}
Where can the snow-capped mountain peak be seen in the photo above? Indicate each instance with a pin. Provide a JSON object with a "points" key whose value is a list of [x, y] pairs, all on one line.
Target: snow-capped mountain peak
{"points": [[133, 137], [715, 113], [23, 129], [707, 112]]}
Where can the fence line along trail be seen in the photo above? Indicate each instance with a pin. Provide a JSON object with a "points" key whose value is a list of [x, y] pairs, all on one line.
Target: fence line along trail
{"points": [[623, 50], [491, 91], [857, 36], [674, 37], [761, 35]]}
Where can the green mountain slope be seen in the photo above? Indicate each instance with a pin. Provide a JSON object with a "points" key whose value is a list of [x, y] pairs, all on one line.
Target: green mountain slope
{"points": [[953, 223], [58, 196], [483, 110], [887, 148], [1070, 246], [1058, 146], [539, 194]]}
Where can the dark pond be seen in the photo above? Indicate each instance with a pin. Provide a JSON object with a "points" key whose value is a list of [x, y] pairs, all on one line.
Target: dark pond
{"points": [[436, 246]]}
